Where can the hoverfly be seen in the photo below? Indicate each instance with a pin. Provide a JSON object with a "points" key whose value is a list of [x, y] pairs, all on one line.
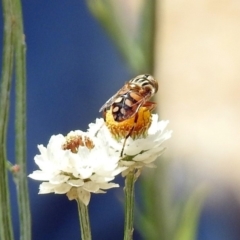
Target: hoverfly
{"points": [[127, 101]]}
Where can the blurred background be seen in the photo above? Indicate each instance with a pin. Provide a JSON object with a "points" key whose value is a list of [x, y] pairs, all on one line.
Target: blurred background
{"points": [[73, 67]]}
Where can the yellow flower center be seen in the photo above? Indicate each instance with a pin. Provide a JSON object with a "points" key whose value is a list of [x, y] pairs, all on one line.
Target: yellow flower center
{"points": [[73, 142], [135, 127]]}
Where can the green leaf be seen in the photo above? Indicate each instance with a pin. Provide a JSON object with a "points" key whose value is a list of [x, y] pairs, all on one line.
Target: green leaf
{"points": [[188, 221], [136, 51]]}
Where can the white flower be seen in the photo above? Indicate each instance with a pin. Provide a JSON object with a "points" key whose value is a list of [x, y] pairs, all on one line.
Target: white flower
{"points": [[137, 152], [78, 165]]}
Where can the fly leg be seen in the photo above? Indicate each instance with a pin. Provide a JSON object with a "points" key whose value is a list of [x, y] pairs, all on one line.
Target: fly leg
{"points": [[129, 134]]}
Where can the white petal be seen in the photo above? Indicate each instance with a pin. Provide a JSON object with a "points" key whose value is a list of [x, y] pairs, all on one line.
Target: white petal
{"points": [[100, 179], [76, 183], [151, 165], [62, 188], [108, 185], [85, 172], [58, 179], [39, 175], [100, 191], [143, 156], [45, 187], [91, 186], [127, 163]]}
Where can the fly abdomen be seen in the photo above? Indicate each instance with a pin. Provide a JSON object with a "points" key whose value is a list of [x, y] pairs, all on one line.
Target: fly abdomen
{"points": [[123, 106]]}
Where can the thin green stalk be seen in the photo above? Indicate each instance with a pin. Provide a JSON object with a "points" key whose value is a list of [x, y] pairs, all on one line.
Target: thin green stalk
{"points": [[130, 50], [84, 220], [147, 36], [129, 205], [6, 230], [155, 221], [20, 124]]}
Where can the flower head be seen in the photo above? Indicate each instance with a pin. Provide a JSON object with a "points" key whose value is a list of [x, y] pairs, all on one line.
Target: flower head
{"points": [[121, 129], [137, 152], [78, 164]]}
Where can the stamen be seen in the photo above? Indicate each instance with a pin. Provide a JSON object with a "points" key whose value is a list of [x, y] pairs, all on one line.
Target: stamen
{"points": [[73, 142]]}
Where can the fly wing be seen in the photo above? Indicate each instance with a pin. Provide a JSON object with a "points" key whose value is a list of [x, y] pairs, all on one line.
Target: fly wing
{"points": [[108, 103], [140, 101], [111, 100]]}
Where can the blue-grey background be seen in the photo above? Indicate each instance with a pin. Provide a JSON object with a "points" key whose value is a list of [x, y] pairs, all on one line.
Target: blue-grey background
{"points": [[72, 69]]}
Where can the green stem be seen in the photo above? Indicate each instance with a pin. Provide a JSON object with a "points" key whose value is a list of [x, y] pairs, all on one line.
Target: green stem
{"points": [[129, 205], [6, 230], [129, 48], [20, 124], [84, 220], [147, 34]]}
